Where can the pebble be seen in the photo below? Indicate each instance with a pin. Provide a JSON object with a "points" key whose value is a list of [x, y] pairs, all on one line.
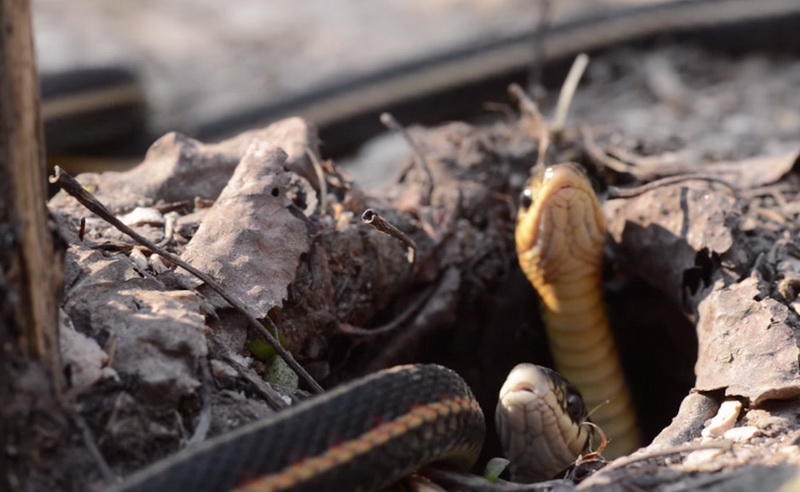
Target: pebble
{"points": [[724, 420], [741, 434]]}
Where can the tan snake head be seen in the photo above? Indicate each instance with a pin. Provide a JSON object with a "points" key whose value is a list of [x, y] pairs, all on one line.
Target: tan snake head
{"points": [[560, 226], [539, 419]]}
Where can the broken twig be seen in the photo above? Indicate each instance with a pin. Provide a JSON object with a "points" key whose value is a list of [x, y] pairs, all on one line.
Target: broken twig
{"points": [[204, 420], [407, 313], [91, 444], [71, 186], [323, 185], [391, 123], [599, 156], [373, 218], [467, 481], [530, 110], [615, 192], [568, 91]]}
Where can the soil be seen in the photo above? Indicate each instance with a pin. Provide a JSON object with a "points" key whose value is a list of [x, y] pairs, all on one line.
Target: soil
{"points": [[702, 276]]}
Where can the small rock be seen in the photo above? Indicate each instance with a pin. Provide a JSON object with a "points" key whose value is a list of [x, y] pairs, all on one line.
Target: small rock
{"points": [[222, 371], [143, 216], [138, 258], [281, 374], [157, 264], [83, 355], [701, 457], [724, 420], [741, 434]]}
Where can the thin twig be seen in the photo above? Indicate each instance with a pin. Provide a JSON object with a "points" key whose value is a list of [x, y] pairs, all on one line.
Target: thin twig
{"points": [[598, 155], [204, 420], [91, 444], [530, 110], [272, 397], [568, 91], [170, 223], [615, 192], [602, 445], [323, 184], [74, 188], [467, 481], [417, 304], [391, 123], [373, 218], [501, 108]]}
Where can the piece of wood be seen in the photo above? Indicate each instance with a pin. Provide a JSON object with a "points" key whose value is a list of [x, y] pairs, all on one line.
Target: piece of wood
{"points": [[28, 258]]}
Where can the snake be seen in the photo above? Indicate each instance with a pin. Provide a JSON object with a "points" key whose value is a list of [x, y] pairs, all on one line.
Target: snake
{"points": [[560, 238]]}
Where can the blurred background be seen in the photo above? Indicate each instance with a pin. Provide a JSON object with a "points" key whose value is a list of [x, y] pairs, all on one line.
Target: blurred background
{"points": [[200, 60], [117, 75]]}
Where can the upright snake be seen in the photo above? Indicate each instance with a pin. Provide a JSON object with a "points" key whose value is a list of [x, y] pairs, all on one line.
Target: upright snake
{"points": [[560, 235]]}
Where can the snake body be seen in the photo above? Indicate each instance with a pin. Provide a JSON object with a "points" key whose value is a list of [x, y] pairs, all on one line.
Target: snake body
{"points": [[358, 437], [560, 235]]}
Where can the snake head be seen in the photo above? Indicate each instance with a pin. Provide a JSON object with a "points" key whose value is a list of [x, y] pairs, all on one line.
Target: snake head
{"points": [[539, 419], [560, 222]]}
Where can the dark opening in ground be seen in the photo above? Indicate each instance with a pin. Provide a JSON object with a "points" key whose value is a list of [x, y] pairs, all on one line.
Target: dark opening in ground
{"points": [[657, 341]]}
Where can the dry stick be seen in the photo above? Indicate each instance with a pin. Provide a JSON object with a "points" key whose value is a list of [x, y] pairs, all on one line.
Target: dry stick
{"points": [[91, 444], [568, 91], [391, 123], [467, 481], [531, 110], [615, 192], [74, 188], [371, 217], [272, 397], [323, 185], [204, 421], [412, 309], [599, 156]]}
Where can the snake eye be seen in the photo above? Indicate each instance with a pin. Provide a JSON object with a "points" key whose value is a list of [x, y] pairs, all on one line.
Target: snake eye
{"points": [[575, 406], [526, 198]]}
